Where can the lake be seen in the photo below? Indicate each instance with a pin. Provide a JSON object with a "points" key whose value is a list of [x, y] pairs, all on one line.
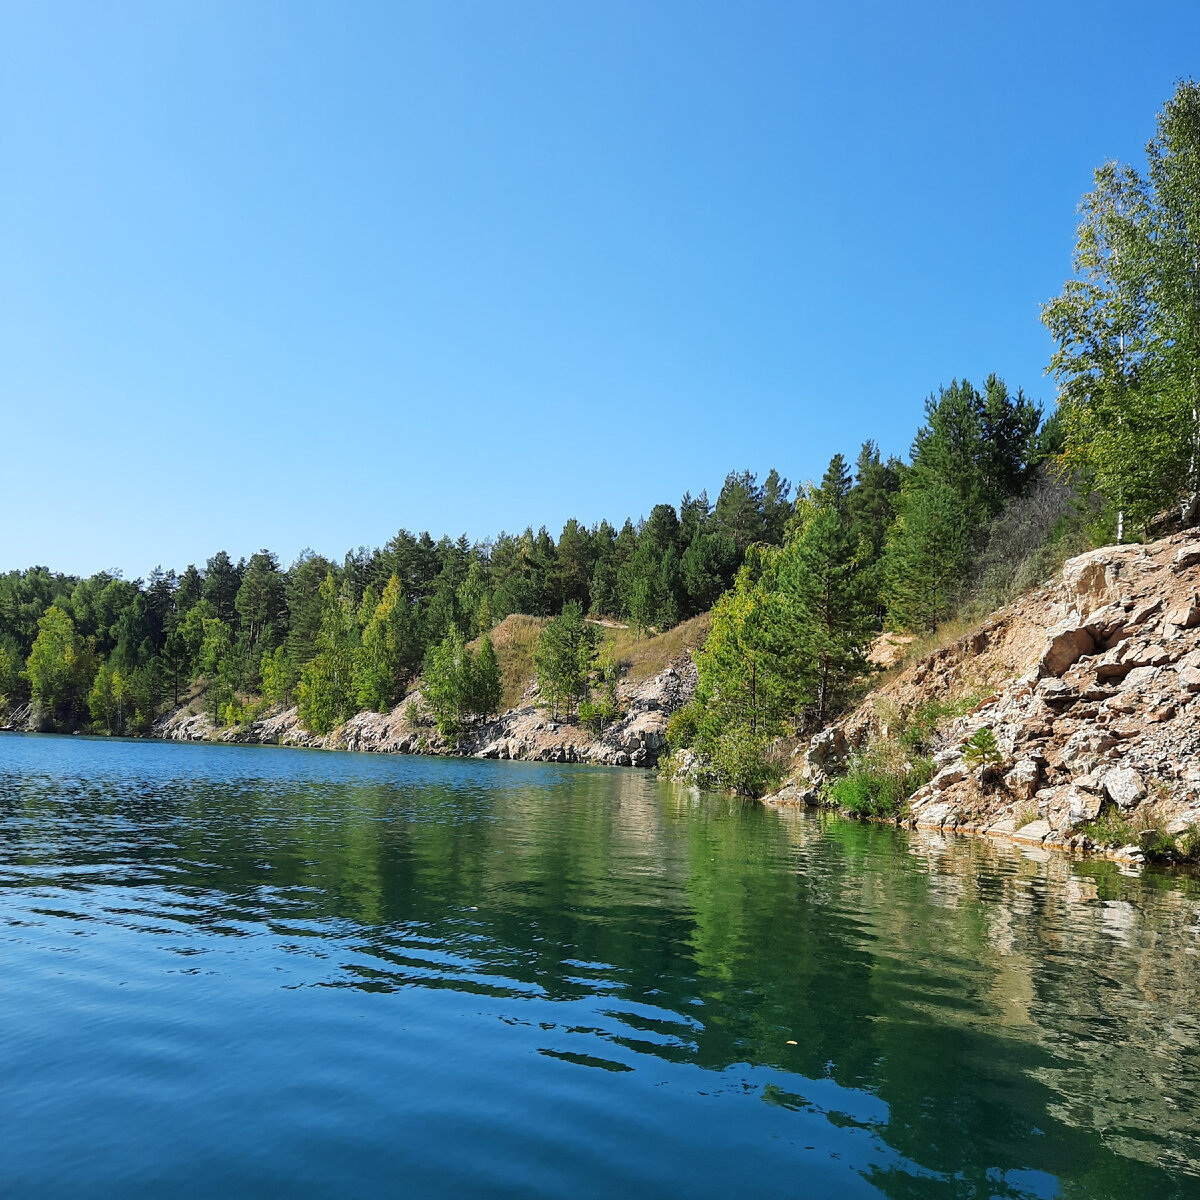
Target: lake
{"points": [[246, 971]]}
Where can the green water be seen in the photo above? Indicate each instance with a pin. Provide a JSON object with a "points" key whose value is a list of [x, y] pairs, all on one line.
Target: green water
{"points": [[243, 971]]}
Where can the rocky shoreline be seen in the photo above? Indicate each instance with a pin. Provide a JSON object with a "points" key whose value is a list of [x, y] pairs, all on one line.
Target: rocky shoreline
{"points": [[637, 739], [1090, 686]]}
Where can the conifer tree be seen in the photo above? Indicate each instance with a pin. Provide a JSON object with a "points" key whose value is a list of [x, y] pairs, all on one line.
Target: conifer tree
{"points": [[565, 652], [486, 697], [819, 572]]}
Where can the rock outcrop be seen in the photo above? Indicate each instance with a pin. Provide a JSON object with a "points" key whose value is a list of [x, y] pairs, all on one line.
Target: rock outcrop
{"points": [[1091, 687], [637, 739]]}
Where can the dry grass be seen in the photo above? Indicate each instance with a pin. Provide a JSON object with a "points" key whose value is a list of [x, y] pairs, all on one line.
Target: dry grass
{"points": [[653, 654], [515, 639]]}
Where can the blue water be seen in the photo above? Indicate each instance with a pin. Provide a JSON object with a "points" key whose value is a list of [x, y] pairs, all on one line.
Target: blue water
{"points": [[246, 971]]}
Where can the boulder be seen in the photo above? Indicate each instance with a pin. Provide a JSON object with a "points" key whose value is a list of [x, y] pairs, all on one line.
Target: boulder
{"points": [[1124, 787], [1056, 693], [1189, 679], [1085, 803], [1090, 580], [1065, 645], [948, 776], [1032, 834], [1024, 778], [1184, 616], [1187, 556], [1143, 612], [935, 816], [1139, 677], [1106, 623]]}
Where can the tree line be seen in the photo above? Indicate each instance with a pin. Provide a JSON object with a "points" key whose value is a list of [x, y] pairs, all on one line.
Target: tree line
{"points": [[108, 653]]}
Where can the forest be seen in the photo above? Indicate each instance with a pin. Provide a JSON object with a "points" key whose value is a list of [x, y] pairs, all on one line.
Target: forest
{"points": [[994, 493]]}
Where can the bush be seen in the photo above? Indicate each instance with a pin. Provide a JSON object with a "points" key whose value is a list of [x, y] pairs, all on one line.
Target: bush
{"points": [[599, 712], [1188, 843], [741, 762], [918, 731], [879, 782], [683, 727], [1113, 828]]}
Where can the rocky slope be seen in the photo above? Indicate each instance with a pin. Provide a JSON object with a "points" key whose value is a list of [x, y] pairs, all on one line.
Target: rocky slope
{"points": [[525, 732], [1091, 687]]}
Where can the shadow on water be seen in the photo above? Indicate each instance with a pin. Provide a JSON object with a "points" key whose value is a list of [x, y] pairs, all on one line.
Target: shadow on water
{"points": [[644, 973]]}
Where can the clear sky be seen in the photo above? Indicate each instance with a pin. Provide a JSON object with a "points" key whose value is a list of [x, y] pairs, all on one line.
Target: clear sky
{"points": [[298, 274]]}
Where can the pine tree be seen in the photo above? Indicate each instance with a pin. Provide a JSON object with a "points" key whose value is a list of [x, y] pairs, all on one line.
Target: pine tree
{"points": [[486, 676], [819, 572], [565, 652]]}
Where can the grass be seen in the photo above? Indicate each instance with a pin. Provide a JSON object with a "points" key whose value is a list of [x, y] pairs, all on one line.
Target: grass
{"points": [[1114, 828], [653, 653], [879, 782], [515, 639]]}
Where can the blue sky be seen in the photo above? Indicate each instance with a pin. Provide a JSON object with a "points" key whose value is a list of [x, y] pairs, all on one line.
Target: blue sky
{"points": [[297, 274]]}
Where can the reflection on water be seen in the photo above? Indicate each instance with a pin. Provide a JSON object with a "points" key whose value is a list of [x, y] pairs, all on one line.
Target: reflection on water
{"points": [[239, 968]]}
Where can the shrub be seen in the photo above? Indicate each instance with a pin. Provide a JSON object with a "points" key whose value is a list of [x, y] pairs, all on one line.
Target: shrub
{"points": [[1114, 828], [879, 782], [981, 750], [740, 761], [598, 712], [683, 726], [919, 730], [1188, 842]]}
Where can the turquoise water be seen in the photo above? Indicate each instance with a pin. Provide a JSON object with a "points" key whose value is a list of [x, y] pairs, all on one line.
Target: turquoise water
{"points": [[245, 971]]}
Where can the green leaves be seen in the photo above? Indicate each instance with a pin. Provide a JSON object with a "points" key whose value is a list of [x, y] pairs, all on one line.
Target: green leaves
{"points": [[563, 659], [459, 684], [326, 694], [61, 668], [1127, 327]]}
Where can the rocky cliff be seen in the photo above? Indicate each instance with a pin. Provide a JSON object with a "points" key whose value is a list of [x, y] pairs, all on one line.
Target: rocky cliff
{"points": [[1091, 688], [525, 732]]}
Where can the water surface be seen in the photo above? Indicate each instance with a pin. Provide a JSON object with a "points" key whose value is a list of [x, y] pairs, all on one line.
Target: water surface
{"points": [[242, 971]]}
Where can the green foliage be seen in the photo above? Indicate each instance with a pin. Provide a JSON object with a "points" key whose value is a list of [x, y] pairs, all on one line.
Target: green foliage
{"points": [[879, 782], [740, 761], [1188, 843], [981, 750], [974, 452], [387, 657], [683, 727], [460, 684], [916, 732], [820, 578], [10, 681], [326, 697], [1127, 326], [485, 690], [60, 669], [563, 659], [279, 677], [601, 707]]}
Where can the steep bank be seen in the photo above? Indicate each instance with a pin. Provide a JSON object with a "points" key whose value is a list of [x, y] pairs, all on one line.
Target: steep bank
{"points": [[523, 732], [1089, 685]]}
